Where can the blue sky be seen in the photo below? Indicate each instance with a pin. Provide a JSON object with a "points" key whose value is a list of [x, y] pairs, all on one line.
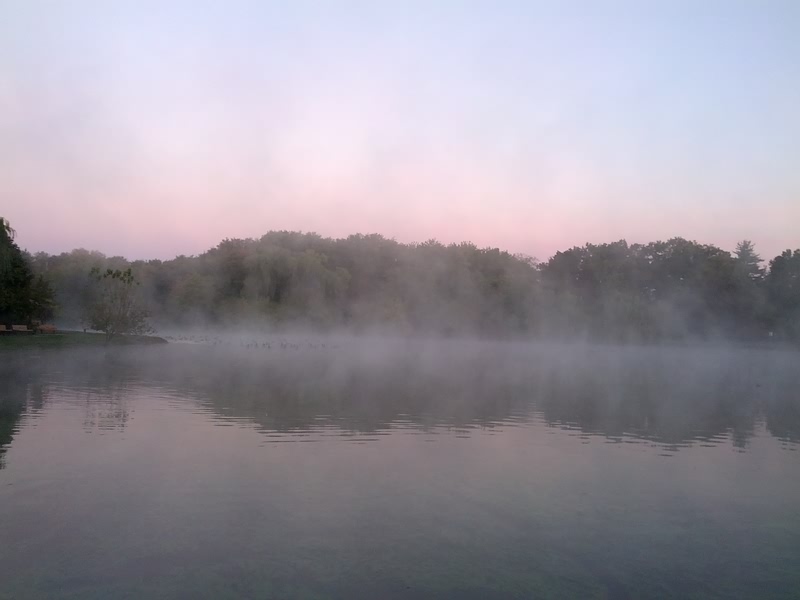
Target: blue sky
{"points": [[150, 131]]}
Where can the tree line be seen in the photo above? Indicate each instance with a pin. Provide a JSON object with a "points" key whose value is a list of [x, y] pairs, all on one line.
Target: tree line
{"points": [[665, 290]]}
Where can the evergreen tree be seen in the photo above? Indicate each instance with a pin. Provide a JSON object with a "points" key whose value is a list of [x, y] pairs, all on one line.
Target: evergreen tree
{"points": [[747, 261]]}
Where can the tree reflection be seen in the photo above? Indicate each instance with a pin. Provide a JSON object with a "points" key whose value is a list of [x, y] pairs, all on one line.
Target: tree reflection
{"points": [[19, 392], [12, 404], [673, 396]]}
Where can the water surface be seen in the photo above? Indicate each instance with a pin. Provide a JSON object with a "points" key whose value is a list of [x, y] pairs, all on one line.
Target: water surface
{"points": [[399, 470]]}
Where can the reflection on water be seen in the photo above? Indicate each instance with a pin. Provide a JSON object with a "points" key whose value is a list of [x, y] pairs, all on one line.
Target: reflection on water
{"points": [[557, 471], [673, 397]]}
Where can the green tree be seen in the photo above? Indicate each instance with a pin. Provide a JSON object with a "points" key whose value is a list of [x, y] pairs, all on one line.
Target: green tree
{"points": [[5, 229], [783, 294], [43, 306], [115, 307], [21, 298], [747, 261]]}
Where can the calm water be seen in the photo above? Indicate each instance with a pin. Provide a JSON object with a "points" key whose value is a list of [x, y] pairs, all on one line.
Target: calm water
{"points": [[366, 470]]}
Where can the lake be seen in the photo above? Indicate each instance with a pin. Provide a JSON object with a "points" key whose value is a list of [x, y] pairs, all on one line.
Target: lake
{"points": [[355, 468]]}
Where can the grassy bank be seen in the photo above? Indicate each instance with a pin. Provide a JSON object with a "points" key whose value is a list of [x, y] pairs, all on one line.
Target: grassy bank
{"points": [[73, 338]]}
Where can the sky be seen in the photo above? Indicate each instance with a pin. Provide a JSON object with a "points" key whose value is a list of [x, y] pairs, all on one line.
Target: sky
{"points": [[153, 129]]}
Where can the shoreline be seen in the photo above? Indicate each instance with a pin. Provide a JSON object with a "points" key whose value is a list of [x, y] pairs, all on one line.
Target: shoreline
{"points": [[75, 338], [68, 338]]}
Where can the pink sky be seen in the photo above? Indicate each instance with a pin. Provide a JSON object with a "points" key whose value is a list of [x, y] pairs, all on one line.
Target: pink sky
{"points": [[149, 134]]}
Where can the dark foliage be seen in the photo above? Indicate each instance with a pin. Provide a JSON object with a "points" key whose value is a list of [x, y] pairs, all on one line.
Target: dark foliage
{"points": [[674, 289], [23, 297]]}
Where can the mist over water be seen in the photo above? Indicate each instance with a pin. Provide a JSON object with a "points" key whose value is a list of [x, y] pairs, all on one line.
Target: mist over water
{"points": [[306, 467], [371, 300]]}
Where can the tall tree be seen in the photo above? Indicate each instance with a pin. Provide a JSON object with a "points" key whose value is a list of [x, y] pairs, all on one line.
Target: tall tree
{"points": [[7, 245], [747, 261], [783, 293], [16, 302]]}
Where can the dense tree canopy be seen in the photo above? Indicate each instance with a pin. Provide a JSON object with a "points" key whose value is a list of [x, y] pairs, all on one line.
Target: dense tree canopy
{"points": [[783, 293], [23, 297], [674, 289]]}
